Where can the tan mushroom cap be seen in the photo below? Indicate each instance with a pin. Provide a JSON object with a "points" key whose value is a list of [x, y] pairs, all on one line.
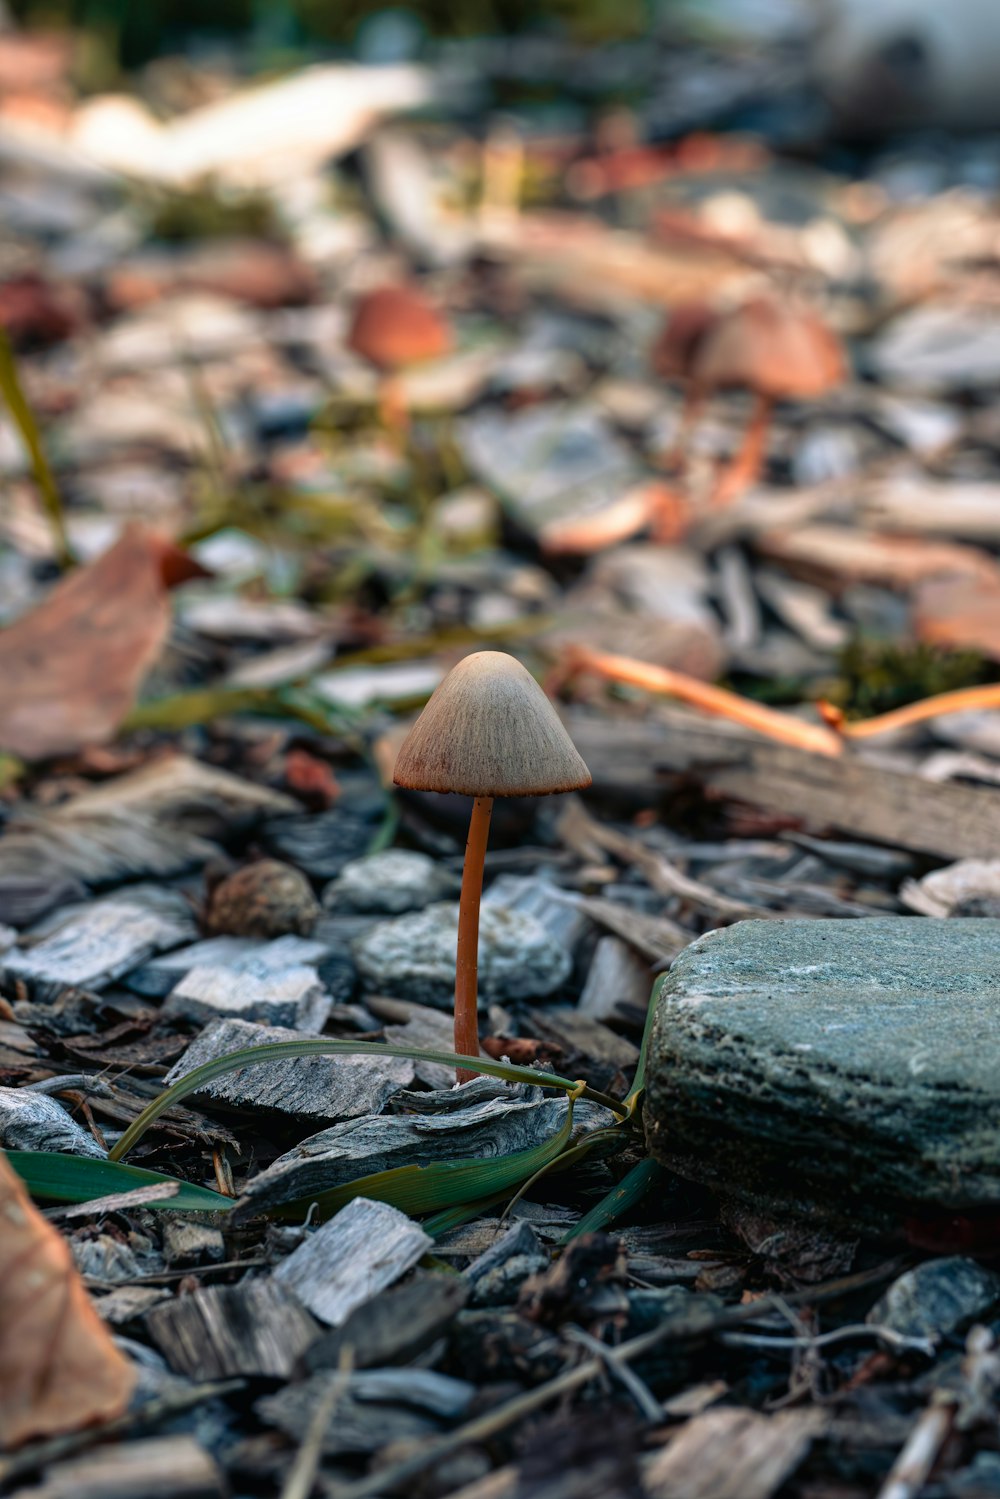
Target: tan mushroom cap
{"points": [[781, 351], [394, 326], [489, 730]]}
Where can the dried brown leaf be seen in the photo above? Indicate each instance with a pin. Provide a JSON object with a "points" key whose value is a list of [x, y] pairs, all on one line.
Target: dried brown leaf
{"points": [[71, 668], [59, 1369]]}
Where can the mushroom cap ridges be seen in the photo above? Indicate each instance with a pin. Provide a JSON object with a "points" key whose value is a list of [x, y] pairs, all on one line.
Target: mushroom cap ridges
{"points": [[489, 730], [394, 326], [777, 349]]}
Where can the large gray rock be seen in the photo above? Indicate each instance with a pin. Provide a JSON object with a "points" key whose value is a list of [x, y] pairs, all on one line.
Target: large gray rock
{"points": [[852, 1066], [414, 956]]}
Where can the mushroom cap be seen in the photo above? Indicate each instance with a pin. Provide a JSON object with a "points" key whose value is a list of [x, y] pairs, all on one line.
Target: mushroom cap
{"points": [[489, 730], [777, 350], [680, 339], [394, 326]]}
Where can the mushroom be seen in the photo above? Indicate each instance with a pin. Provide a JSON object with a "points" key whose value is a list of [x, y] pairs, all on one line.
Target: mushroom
{"points": [[776, 350], [487, 731], [394, 327]]}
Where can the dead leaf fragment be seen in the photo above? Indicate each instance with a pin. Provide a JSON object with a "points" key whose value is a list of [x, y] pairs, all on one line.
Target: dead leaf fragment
{"points": [[72, 667], [59, 1369]]}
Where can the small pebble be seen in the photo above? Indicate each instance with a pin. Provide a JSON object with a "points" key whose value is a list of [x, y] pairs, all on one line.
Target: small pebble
{"points": [[266, 899]]}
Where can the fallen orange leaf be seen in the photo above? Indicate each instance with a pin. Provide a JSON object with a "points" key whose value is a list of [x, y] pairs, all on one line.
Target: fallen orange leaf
{"points": [[71, 668], [59, 1369]]}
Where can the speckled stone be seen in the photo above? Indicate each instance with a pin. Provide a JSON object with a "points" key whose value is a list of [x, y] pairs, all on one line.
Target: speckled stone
{"points": [[389, 883], [414, 956], [852, 1066]]}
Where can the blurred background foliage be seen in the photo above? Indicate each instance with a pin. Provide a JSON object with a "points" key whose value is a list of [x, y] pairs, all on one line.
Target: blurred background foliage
{"points": [[125, 34]]}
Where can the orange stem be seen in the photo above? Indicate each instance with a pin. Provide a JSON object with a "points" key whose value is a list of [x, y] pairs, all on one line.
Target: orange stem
{"points": [[717, 700], [467, 956], [960, 701], [747, 464]]}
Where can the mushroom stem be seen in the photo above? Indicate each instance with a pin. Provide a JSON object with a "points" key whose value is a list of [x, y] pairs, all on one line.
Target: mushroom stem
{"points": [[747, 464], [467, 957]]}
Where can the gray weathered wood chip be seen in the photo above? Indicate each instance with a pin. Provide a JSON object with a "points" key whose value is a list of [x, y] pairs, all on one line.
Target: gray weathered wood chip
{"points": [[34, 1121], [359, 1252], [334, 1087], [732, 1454], [252, 990], [98, 942], [516, 1119], [258, 1327], [171, 1467]]}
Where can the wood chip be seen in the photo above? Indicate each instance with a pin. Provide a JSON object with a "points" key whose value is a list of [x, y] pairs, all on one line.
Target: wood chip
{"points": [[359, 1252], [849, 794], [732, 1454], [250, 989], [616, 980], [256, 1328], [174, 1467], [101, 941], [335, 1087], [395, 1325]]}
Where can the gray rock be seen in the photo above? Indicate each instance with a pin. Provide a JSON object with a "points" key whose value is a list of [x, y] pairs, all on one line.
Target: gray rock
{"points": [[937, 1298], [552, 908], [389, 883], [414, 956], [848, 1065]]}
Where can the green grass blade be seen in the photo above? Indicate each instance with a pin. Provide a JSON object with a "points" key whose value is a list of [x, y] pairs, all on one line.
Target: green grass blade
{"points": [[276, 1051], [24, 418], [578, 1152], [630, 1190], [442, 1184], [439, 1224], [633, 1098], [60, 1177]]}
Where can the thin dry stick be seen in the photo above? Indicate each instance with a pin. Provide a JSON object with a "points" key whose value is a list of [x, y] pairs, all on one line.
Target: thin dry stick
{"points": [[669, 880], [963, 700], [302, 1474], [716, 700], [912, 1467], [467, 955], [679, 1329]]}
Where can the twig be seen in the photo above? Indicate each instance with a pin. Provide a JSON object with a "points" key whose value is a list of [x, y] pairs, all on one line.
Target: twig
{"points": [[716, 700], [680, 1329], [920, 1452], [302, 1473], [137, 1197], [897, 1341], [641, 1394], [52, 1449]]}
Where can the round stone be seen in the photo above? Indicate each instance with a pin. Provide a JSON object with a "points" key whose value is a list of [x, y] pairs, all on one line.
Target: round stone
{"points": [[414, 956], [389, 883]]}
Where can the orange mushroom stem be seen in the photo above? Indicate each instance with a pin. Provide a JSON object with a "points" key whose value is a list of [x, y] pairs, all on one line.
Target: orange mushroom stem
{"points": [[487, 731], [467, 954]]}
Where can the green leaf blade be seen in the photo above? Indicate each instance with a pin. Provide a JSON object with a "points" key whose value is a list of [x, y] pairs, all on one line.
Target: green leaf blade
{"points": [[57, 1176]]}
